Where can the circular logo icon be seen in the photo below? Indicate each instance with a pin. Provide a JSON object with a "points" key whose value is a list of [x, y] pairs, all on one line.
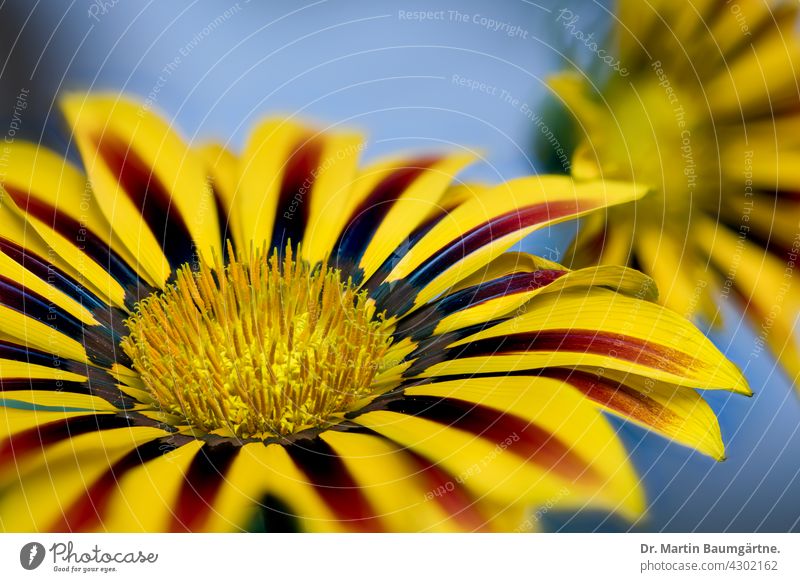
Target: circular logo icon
{"points": [[31, 555]]}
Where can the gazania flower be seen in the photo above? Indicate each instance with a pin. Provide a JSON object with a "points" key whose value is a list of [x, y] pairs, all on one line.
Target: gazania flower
{"points": [[704, 110], [192, 340]]}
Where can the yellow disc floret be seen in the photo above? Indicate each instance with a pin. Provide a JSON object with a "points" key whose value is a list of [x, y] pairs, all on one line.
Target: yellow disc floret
{"points": [[260, 347]]}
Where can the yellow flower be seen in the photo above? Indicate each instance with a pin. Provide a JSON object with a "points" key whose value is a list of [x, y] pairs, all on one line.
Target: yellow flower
{"points": [[195, 340], [705, 111]]}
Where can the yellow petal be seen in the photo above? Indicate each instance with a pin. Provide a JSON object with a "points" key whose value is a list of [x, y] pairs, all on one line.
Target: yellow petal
{"points": [[145, 496], [394, 485], [597, 328], [62, 474], [495, 222], [507, 472], [117, 136]]}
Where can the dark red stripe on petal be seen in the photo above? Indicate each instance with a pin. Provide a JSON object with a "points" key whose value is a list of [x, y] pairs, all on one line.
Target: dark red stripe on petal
{"points": [[202, 482], [35, 439], [87, 512], [329, 476], [399, 298], [224, 223], [448, 492], [581, 341], [371, 212], [627, 401], [508, 432], [272, 515], [151, 197], [294, 199]]}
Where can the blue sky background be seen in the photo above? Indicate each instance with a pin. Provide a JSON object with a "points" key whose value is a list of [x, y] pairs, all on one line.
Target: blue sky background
{"points": [[216, 67]]}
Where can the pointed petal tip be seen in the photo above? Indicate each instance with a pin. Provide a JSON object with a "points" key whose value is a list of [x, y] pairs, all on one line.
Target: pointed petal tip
{"points": [[744, 389], [717, 450]]}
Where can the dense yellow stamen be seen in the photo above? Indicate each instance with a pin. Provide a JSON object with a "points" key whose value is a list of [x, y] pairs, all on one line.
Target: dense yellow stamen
{"points": [[261, 347]]}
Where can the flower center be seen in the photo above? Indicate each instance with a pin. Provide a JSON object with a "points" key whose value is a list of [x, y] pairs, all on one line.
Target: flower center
{"points": [[258, 348], [653, 132]]}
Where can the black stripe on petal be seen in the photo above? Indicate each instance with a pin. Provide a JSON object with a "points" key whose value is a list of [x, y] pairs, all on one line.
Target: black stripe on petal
{"points": [[83, 238], [333, 482], [422, 323], [109, 316], [271, 515], [294, 198], [391, 261], [202, 482], [11, 351], [151, 198], [433, 349], [398, 297], [100, 383], [100, 342], [371, 213], [51, 274], [223, 222]]}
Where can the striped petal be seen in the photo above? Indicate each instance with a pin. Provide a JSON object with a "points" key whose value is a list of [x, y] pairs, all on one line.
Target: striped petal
{"points": [[508, 441], [150, 186], [62, 473], [678, 414], [294, 184], [599, 328], [482, 229]]}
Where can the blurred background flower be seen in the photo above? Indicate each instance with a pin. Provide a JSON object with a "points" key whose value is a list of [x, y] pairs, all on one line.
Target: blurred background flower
{"points": [[410, 75], [704, 112]]}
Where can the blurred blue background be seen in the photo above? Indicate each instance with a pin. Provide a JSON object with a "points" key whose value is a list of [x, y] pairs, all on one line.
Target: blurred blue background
{"points": [[472, 76]]}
